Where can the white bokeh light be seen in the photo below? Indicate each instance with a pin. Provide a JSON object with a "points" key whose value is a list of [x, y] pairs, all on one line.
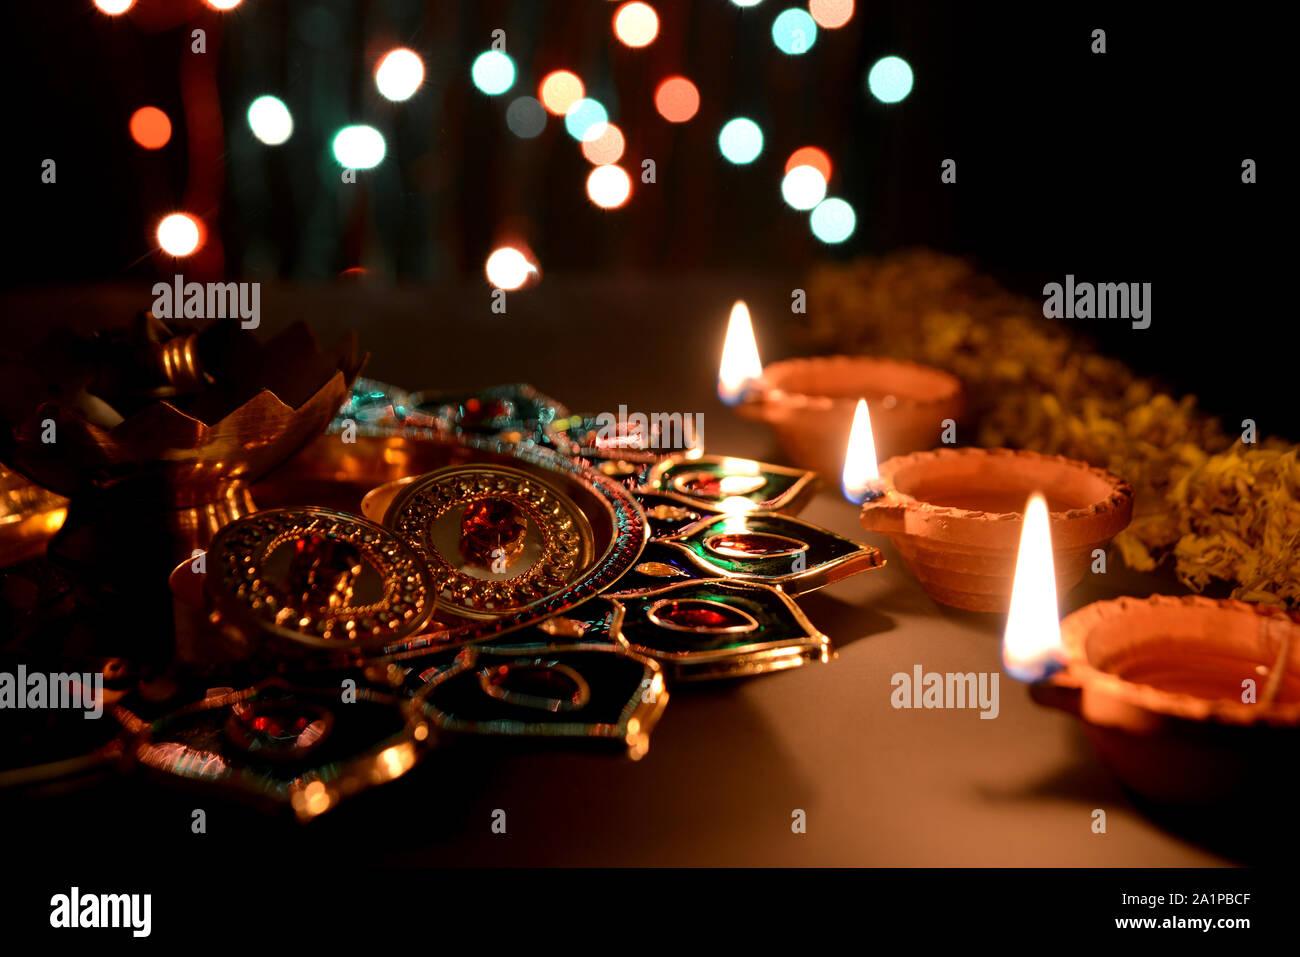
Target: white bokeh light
{"points": [[508, 268], [269, 120], [803, 187], [359, 147], [399, 74], [609, 186], [178, 234]]}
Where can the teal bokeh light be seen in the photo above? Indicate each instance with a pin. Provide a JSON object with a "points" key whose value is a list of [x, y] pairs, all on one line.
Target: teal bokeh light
{"points": [[585, 120], [741, 140], [890, 79], [833, 221], [794, 31], [493, 72]]}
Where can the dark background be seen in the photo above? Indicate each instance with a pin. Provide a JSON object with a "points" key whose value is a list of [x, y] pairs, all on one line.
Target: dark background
{"points": [[1117, 167]]}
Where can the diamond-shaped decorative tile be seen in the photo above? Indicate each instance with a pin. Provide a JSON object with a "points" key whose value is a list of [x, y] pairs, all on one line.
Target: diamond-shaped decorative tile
{"points": [[275, 744], [574, 690], [732, 485], [755, 547], [720, 629]]}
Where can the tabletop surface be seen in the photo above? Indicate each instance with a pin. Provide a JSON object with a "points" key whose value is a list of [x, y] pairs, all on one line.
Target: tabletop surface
{"points": [[729, 762]]}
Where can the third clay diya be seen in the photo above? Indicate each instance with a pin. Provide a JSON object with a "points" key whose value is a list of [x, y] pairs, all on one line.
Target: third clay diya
{"points": [[955, 516], [1187, 699]]}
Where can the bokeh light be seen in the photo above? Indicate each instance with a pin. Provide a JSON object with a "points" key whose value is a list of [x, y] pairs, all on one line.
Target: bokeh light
{"points": [[269, 120], [179, 234], [810, 156], [833, 221], [609, 186], [507, 268], [803, 187], [746, 3], [636, 24], [493, 72], [399, 74], [359, 147], [677, 99], [741, 140], [150, 127], [794, 31], [890, 79], [559, 90], [222, 4], [605, 148], [114, 7], [831, 13], [526, 117], [586, 119]]}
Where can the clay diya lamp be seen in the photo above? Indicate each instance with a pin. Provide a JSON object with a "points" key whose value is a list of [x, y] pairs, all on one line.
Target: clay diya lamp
{"points": [[809, 403], [1187, 699], [955, 516]]}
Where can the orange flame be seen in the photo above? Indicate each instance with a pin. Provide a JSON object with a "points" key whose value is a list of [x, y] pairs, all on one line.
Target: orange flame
{"points": [[861, 471], [741, 368], [1032, 641]]}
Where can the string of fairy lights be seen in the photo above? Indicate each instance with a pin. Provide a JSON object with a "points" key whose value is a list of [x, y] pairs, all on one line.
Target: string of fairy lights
{"points": [[562, 95]]}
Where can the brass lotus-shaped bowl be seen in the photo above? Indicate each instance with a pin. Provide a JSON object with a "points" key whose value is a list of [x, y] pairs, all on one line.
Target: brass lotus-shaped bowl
{"points": [[285, 393]]}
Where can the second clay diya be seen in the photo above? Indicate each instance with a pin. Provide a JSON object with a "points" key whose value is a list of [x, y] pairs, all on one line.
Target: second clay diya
{"points": [[955, 516], [1189, 700], [809, 405]]}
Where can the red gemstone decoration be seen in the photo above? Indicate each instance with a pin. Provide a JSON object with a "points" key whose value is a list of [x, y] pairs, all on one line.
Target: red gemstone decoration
{"points": [[274, 727], [693, 616], [757, 544], [706, 486], [490, 524], [539, 682], [322, 572], [695, 613], [477, 413]]}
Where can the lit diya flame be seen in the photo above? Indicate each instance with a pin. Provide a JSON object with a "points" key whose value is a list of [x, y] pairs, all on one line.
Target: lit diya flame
{"points": [[1032, 642], [741, 369], [861, 477]]}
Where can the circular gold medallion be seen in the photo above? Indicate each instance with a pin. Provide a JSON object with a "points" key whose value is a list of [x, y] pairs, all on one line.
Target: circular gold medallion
{"points": [[495, 538], [318, 577]]}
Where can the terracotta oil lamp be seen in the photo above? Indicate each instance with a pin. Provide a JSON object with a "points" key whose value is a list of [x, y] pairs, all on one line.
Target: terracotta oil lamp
{"points": [[809, 403], [955, 516], [1187, 699]]}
